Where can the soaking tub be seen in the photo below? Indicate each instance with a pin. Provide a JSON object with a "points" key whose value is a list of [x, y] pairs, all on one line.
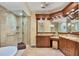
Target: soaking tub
{"points": [[8, 51]]}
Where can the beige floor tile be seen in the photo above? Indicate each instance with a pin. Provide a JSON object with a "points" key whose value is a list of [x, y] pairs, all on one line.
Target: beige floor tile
{"points": [[42, 52]]}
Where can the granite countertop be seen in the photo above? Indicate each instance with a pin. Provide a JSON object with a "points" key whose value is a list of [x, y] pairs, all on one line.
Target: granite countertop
{"points": [[71, 37], [44, 34], [54, 37]]}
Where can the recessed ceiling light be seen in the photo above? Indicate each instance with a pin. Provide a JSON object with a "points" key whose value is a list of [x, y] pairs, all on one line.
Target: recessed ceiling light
{"points": [[72, 9], [67, 13]]}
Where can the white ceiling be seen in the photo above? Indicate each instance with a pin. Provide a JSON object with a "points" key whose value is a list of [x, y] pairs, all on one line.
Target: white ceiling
{"points": [[15, 7], [35, 6], [52, 7], [12, 5]]}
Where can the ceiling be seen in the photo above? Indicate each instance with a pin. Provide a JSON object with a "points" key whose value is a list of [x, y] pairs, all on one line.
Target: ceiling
{"points": [[15, 7], [52, 7], [34, 6]]}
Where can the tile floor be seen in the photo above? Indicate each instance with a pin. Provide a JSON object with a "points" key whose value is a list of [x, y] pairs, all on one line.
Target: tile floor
{"points": [[42, 52]]}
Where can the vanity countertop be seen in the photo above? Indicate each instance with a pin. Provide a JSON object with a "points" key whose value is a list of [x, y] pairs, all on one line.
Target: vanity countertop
{"points": [[54, 36], [71, 37], [44, 34]]}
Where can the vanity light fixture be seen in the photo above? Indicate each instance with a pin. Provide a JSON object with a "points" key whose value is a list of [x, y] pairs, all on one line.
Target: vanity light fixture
{"points": [[70, 16], [77, 10], [53, 19], [41, 20]]}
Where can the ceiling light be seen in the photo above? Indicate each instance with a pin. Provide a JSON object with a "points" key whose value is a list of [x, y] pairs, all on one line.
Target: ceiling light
{"points": [[73, 10], [67, 13], [43, 4]]}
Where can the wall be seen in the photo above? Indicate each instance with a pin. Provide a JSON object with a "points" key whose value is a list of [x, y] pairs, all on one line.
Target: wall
{"points": [[10, 26], [33, 30]]}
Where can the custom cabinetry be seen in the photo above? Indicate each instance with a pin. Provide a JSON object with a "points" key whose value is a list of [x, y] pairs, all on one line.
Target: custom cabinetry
{"points": [[69, 47], [42, 41]]}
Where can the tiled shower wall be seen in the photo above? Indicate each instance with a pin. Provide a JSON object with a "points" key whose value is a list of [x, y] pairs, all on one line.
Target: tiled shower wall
{"points": [[7, 28]]}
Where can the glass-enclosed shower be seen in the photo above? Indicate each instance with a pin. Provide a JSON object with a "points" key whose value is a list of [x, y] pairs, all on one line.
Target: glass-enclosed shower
{"points": [[13, 27]]}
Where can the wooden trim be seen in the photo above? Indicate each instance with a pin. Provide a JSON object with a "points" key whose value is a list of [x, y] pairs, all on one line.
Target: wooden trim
{"points": [[56, 14], [45, 32], [63, 32], [38, 16], [36, 26], [72, 5], [75, 33], [67, 6]]}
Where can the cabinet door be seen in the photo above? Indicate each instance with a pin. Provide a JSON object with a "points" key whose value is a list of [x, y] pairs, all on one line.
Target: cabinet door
{"points": [[68, 47], [60, 44], [43, 41], [46, 41], [72, 46], [38, 40], [77, 49]]}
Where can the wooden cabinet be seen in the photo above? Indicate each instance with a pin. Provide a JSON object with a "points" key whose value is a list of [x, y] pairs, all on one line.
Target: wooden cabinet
{"points": [[42, 41], [68, 47]]}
